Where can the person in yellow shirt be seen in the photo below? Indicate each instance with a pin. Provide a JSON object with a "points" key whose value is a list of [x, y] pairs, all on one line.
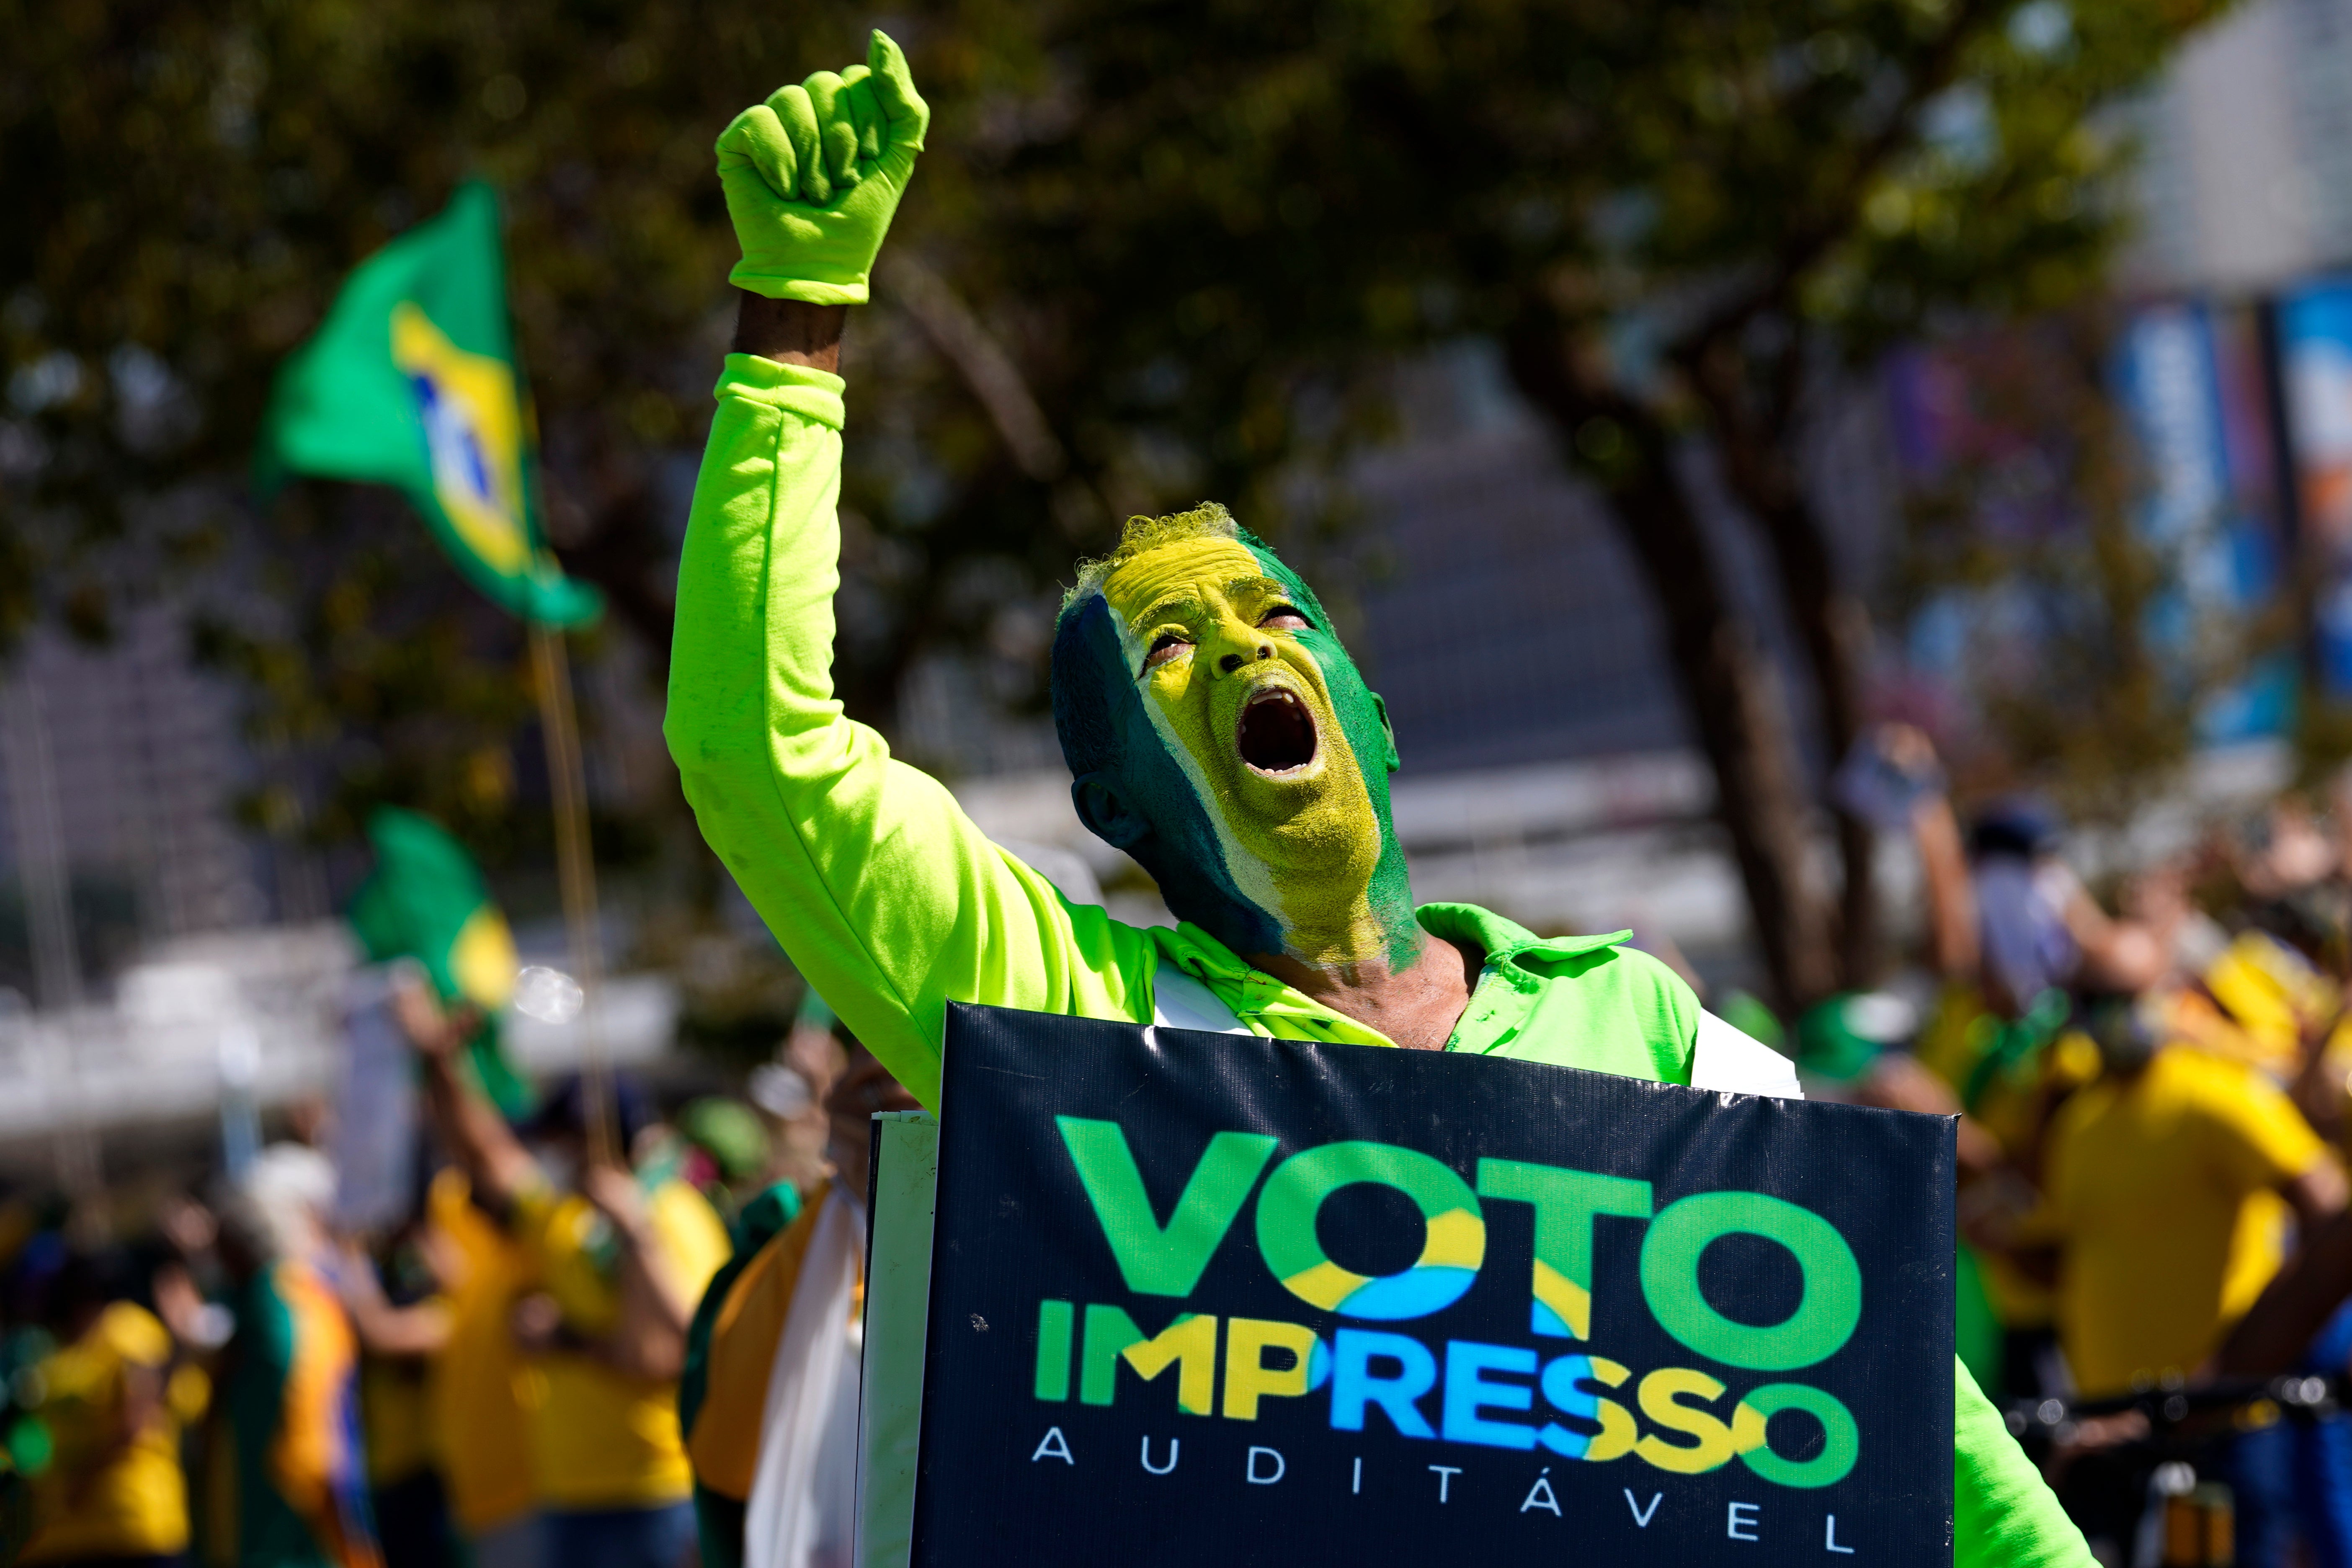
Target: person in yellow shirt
{"points": [[401, 1344], [618, 1258], [2169, 1186], [2009, 927], [114, 1490], [481, 1421]]}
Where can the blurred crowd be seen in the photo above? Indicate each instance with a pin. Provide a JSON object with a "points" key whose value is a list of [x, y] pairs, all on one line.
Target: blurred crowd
{"points": [[561, 1345], [2153, 1093], [449, 1318], [494, 1377]]}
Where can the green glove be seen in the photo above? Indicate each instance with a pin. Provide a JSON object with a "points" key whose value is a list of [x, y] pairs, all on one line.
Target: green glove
{"points": [[812, 175]]}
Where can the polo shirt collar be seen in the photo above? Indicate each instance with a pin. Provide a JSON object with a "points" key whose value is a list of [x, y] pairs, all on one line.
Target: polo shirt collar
{"points": [[1511, 950]]}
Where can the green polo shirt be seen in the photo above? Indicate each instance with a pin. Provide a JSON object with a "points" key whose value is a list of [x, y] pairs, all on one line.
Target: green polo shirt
{"points": [[1572, 1001], [893, 903]]}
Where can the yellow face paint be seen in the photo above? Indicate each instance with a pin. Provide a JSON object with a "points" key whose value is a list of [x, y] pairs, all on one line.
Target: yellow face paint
{"points": [[1244, 707]]}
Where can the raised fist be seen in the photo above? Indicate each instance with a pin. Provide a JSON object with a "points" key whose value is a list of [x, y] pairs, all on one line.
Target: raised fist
{"points": [[812, 175]]}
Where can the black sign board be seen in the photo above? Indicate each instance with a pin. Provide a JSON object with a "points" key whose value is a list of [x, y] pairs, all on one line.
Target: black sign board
{"points": [[1201, 1300]]}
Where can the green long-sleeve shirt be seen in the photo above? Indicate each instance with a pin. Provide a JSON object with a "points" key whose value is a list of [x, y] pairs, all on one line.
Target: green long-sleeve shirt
{"points": [[893, 903]]}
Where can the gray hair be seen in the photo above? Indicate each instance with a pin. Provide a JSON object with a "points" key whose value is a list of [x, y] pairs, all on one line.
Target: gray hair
{"points": [[277, 1205], [1207, 520]]}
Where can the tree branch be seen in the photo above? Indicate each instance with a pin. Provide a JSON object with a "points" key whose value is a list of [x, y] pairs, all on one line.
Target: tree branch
{"points": [[1727, 684], [994, 380], [1752, 437], [1809, 237]]}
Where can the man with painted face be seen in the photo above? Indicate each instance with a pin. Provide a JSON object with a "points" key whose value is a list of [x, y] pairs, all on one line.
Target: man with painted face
{"points": [[1216, 729]]}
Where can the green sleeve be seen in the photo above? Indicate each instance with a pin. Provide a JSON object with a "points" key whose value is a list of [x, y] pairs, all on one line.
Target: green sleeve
{"points": [[883, 893], [2003, 1514]]}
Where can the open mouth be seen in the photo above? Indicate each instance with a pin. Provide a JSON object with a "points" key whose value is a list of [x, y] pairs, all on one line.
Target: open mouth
{"points": [[1276, 733]]}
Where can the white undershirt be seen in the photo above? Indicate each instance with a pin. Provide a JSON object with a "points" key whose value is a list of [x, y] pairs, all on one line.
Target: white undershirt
{"points": [[1723, 1059]]}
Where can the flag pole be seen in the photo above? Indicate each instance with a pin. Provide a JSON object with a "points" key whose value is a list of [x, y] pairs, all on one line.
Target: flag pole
{"points": [[576, 872]]}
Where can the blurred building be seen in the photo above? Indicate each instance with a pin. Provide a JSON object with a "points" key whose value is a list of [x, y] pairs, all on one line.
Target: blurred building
{"points": [[1498, 616], [2247, 180], [120, 765], [2237, 364], [1499, 612], [252, 1018]]}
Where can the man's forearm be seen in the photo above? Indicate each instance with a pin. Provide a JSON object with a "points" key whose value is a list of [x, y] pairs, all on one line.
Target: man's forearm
{"points": [[386, 1329], [494, 1160], [789, 331], [2294, 1306], [1951, 901], [649, 1341], [2317, 1195]]}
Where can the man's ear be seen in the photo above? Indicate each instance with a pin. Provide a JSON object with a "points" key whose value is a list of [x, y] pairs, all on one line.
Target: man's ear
{"points": [[1388, 732], [1103, 807]]}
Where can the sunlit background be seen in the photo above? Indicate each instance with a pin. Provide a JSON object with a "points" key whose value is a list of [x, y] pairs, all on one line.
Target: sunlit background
{"points": [[1662, 396]]}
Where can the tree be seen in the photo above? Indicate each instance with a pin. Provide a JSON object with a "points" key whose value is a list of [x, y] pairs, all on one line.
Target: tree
{"points": [[2071, 680], [1679, 222], [194, 181], [1154, 253]]}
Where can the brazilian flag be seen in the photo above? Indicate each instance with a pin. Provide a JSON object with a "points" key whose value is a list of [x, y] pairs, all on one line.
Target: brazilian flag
{"points": [[411, 382], [426, 900]]}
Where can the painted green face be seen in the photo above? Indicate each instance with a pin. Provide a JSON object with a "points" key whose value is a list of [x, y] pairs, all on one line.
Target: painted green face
{"points": [[1238, 695]]}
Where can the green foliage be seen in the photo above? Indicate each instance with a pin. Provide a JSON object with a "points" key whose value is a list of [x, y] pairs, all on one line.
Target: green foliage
{"points": [[2031, 526], [1355, 176], [1154, 255], [197, 180]]}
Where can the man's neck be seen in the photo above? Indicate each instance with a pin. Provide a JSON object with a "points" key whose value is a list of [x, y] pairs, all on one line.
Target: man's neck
{"points": [[1416, 1005]]}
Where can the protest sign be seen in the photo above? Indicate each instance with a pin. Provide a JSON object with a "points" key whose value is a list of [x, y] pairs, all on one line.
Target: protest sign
{"points": [[376, 1135], [1217, 1299]]}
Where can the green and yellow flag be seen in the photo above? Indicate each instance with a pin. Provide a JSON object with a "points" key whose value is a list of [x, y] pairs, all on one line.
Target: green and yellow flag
{"points": [[412, 381], [426, 899]]}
